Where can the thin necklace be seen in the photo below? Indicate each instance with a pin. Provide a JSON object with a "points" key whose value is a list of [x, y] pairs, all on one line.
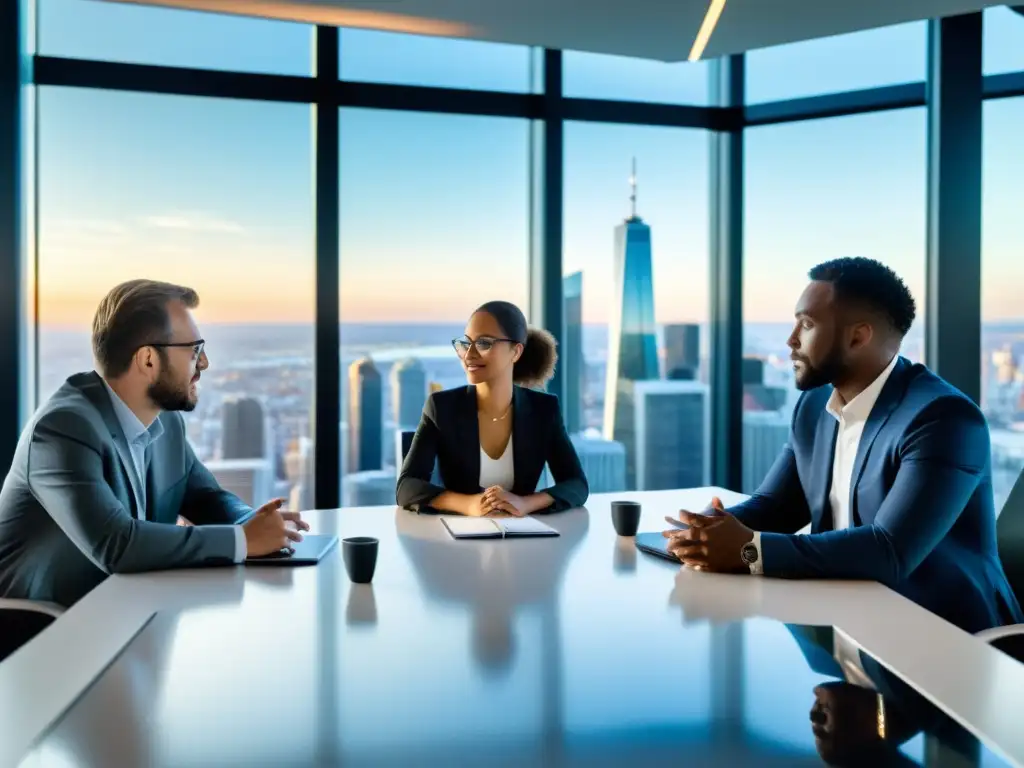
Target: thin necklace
{"points": [[502, 417]]}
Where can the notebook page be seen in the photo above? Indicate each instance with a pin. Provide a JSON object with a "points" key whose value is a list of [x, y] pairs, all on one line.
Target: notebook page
{"points": [[525, 526], [467, 527]]}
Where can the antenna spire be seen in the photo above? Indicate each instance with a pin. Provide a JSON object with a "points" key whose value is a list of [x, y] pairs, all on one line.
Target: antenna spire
{"points": [[632, 191]]}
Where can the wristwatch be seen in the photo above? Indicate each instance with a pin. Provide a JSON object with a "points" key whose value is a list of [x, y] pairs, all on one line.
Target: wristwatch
{"points": [[750, 553]]}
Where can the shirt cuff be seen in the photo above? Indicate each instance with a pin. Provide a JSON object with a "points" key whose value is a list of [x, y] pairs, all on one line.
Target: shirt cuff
{"points": [[757, 567], [241, 550]]}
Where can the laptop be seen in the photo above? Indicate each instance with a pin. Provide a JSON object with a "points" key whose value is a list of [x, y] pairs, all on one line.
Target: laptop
{"points": [[309, 551], [655, 544]]}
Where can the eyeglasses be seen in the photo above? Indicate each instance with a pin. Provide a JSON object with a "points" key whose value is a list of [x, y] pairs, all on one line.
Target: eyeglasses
{"points": [[483, 345], [197, 346]]}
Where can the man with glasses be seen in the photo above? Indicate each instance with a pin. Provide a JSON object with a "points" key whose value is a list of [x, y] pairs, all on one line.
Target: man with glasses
{"points": [[103, 471]]}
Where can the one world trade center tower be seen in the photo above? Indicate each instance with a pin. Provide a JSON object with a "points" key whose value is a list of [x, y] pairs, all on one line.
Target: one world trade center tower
{"points": [[632, 338]]}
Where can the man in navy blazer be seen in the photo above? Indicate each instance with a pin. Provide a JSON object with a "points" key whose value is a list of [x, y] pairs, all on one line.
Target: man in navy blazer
{"points": [[888, 463]]}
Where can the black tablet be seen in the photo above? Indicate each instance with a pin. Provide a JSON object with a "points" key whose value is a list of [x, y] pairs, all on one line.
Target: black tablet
{"points": [[655, 544], [309, 551]]}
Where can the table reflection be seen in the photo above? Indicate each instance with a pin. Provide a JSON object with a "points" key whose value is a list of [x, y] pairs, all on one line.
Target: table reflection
{"points": [[493, 578], [869, 722], [558, 652]]}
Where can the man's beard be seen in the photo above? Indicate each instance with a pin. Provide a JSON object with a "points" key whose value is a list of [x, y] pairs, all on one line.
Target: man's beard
{"points": [[828, 371], [168, 396]]}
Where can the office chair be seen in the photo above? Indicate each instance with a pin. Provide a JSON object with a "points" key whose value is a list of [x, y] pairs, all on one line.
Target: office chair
{"points": [[1010, 534], [21, 620]]}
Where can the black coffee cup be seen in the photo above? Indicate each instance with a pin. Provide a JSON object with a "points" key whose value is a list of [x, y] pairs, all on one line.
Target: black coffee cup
{"points": [[626, 517], [360, 555]]}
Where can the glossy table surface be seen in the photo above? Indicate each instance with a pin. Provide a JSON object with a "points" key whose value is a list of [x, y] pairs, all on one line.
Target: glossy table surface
{"points": [[561, 651]]}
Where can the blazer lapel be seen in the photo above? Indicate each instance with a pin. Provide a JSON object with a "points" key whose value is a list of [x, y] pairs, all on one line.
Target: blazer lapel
{"points": [[522, 439], [96, 392], [828, 430], [887, 401], [470, 437]]}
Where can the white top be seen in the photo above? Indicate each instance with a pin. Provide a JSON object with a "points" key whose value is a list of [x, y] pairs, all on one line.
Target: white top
{"points": [[500, 471]]}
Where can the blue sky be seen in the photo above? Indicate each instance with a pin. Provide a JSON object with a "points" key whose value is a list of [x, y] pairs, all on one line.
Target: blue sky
{"points": [[435, 208]]}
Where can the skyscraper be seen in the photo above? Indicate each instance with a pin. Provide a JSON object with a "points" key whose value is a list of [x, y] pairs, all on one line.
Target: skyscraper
{"points": [[572, 352], [632, 339], [603, 462], [408, 392], [764, 435], [251, 480], [245, 430], [671, 422], [753, 370], [682, 351], [365, 418]]}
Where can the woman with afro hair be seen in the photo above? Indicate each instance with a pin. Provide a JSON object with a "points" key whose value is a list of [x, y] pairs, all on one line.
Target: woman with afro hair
{"points": [[491, 439]]}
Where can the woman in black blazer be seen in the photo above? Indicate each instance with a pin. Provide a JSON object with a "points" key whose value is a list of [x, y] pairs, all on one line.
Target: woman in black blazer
{"points": [[492, 438]]}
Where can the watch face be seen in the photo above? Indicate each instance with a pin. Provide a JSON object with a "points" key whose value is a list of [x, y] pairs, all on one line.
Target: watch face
{"points": [[749, 553]]}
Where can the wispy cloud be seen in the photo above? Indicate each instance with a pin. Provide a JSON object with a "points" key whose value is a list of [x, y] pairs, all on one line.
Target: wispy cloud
{"points": [[88, 226], [193, 222]]}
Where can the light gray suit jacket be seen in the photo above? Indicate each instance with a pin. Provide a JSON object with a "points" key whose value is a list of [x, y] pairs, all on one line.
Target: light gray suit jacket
{"points": [[68, 515]]}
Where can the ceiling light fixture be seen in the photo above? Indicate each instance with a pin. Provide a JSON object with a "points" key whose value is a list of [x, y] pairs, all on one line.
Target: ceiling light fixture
{"points": [[706, 28]]}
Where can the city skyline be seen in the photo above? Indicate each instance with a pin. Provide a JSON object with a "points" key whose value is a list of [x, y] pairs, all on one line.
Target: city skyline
{"points": [[200, 190], [435, 219]]}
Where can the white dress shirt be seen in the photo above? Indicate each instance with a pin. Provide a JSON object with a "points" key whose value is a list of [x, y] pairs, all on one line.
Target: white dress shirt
{"points": [[852, 417], [140, 438]]}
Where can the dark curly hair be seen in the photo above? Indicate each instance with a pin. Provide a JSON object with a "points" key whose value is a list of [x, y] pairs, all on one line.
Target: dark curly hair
{"points": [[540, 350], [859, 280]]}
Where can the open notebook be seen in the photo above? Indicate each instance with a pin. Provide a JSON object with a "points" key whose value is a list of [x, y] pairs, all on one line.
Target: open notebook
{"points": [[496, 527]]}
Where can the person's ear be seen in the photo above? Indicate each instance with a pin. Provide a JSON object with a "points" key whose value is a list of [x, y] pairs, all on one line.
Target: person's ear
{"points": [[860, 336], [145, 357]]}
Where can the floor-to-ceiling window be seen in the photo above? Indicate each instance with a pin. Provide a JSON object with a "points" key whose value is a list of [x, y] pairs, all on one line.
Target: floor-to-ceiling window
{"points": [[210, 194], [819, 189], [434, 222], [1002, 261], [192, 188], [636, 304], [815, 191]]}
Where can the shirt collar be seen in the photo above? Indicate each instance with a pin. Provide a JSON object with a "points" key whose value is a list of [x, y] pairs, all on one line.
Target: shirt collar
{"points": [[131, 425], [860, 407]]}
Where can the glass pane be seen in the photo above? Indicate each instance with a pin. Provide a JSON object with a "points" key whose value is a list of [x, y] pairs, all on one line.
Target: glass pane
{"points": [[875, 57], [207, 193], [599, 76], [389, 57], [1002, 330], [434, 222], [636, 289], [1004, 40], [139, 34], [818, 190]]}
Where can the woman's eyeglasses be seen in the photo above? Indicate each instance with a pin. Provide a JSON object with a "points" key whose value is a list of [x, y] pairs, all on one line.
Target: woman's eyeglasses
{"points": [[483, 345]]}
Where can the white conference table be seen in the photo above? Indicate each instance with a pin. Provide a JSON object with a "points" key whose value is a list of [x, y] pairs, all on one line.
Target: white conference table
{"points": [[575, 649]]}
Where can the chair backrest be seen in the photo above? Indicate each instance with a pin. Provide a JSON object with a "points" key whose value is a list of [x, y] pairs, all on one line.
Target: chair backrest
{"points": [[21, 620], [1010, 532]]}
